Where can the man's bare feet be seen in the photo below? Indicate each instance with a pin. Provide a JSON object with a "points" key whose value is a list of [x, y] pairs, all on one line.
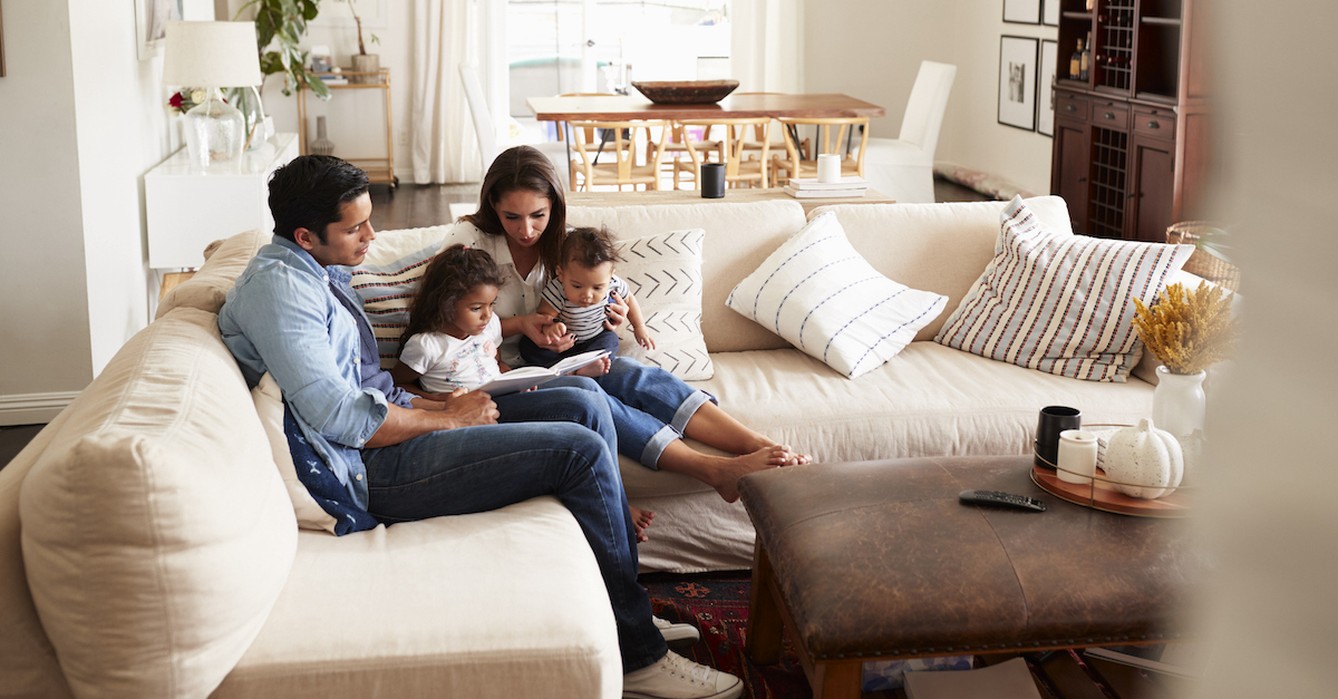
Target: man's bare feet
{"points": [[641, 521]]}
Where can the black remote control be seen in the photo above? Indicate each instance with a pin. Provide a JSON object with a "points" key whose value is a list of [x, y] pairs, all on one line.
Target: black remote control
{"points": [[998, 498]]}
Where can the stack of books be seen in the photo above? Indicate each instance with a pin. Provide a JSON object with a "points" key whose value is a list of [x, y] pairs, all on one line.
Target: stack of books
{"points": [[811, 188]]}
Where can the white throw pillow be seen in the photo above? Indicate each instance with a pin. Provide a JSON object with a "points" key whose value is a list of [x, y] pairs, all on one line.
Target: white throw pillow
{"points": [[269, 406], [822, 296], [665, 273], [1058, 302], [156, 535]]}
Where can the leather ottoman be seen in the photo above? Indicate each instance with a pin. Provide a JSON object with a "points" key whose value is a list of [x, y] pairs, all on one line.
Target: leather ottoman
{"points": [[878, 560]]}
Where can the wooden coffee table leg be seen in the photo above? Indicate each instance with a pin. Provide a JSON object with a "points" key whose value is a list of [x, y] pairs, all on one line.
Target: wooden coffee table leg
{"points": [[837, 680], [764, 622]]}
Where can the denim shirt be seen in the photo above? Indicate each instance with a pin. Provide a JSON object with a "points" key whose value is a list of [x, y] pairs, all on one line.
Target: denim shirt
{"points": [[302, 323]]}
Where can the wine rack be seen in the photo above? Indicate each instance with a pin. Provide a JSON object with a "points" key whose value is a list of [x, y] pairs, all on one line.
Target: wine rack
{"points": [[1129, 146]]}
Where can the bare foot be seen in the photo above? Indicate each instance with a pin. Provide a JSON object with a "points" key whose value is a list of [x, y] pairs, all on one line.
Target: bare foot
{"points": [[595, 370], [641, 521], [728, 470]]}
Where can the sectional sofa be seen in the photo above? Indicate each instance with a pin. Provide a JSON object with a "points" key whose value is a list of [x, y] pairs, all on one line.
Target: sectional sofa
{"points": [[150, 548]]}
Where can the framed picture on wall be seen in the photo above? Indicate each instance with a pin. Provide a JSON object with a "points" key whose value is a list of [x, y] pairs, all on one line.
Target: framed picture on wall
{"points": [[1050, 12], [1045, 77], [2, 41], [1022, 11], [152, 16], [1017, 82]]}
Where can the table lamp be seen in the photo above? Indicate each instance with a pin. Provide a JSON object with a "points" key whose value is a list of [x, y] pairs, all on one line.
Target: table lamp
{"points": [[212, 56]]}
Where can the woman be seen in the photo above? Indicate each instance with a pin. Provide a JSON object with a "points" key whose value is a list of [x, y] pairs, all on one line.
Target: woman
{"points": [[523, 215]]}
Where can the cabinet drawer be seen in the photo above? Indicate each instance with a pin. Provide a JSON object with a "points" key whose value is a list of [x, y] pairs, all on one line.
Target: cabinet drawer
{"points": [[1158, 123], [1068, 104], [1110, 115]]}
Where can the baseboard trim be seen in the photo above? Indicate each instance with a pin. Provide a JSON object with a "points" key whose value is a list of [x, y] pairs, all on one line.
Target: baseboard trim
{"points": [[33, 408]]}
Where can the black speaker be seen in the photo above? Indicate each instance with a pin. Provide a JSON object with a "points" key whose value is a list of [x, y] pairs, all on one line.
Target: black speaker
{"points": [[713, 180]]}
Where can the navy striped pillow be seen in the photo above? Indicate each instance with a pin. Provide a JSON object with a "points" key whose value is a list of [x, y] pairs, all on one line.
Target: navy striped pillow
{"points": [[1060, 303]]}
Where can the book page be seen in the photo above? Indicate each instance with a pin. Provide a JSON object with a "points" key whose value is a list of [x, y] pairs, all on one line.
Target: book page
{"points": [[520, 379]]}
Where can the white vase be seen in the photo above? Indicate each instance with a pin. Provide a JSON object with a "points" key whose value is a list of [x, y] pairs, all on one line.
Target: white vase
{"points": [[1178, 402]]}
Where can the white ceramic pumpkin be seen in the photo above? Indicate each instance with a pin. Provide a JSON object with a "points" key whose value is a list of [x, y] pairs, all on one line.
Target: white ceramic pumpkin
{"points": [[1143, 461]]}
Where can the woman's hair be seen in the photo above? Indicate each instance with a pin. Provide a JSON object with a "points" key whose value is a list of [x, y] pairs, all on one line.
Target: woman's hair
{"points": [[451, 275], [309, 191], [523, 167], [589, 247]]}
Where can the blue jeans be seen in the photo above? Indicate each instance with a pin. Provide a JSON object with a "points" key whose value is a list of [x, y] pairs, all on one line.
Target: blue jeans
{"points": [[651, 407], [554, 441]]}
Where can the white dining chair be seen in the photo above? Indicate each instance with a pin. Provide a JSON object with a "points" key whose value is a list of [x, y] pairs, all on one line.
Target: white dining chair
{"points": [[903, 167], [490, 146]]}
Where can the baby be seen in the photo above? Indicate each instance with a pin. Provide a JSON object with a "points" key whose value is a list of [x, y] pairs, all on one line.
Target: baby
{"points": [[578, 296]]}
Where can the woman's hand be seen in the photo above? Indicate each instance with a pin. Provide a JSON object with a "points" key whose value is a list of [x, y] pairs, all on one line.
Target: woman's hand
{"points": [[617, 312], [547, 333]]}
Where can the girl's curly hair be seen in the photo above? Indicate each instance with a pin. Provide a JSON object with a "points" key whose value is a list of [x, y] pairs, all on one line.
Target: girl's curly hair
{"points": [[451, 275]]}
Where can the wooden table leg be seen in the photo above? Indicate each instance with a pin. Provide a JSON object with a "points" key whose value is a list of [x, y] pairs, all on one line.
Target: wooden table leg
{"points": [[763, 644], [841, 679]]}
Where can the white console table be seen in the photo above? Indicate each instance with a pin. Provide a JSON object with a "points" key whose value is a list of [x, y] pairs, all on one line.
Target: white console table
{"points": [[190, 207]]}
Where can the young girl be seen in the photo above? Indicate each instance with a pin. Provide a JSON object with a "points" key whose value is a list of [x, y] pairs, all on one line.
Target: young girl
{"points": [[578, 297], [452, 337]]}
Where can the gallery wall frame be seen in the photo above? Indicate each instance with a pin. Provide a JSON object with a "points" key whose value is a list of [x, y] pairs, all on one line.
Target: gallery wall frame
{"points": [[1050, 12], [1017, 81], [1022, 11], [2, 39], [1045, 77], [152, 16]]}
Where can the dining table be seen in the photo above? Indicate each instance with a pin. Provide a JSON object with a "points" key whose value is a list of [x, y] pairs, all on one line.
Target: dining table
{"points": [[746, 105]]}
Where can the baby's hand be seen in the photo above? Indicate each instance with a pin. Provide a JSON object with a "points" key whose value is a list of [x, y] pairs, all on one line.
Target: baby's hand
{"points": [[643, 337], [554, 332], [595, 369]]}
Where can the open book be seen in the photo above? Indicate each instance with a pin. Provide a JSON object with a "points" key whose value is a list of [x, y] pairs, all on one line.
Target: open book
{"points": [[527, 377]]}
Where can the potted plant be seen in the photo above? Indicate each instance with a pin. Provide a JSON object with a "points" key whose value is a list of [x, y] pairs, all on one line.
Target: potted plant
{"points": [[366, 66], [283, 23]]}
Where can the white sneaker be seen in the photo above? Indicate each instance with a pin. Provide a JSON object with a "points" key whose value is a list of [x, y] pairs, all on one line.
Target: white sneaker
{"points": [[676, 677], [676, 633]]}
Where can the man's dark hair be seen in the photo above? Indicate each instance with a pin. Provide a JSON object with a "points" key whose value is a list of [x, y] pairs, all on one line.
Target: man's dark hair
{"points": [[309, 191]]}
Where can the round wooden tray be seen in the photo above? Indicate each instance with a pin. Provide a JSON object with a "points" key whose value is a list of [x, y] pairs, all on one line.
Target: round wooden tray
{"points": [[1100, 495]]}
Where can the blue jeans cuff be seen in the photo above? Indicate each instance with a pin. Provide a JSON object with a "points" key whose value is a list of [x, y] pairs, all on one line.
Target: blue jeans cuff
{"points": [[650, 456], [689, 408]]}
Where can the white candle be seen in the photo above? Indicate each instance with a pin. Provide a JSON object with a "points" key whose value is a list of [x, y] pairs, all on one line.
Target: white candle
{"points": [[1077, 456], [829, 167]]}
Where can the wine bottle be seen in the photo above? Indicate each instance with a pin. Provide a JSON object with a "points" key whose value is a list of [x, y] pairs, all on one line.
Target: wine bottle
{"points": [[1075, 63], [1085, 57]]}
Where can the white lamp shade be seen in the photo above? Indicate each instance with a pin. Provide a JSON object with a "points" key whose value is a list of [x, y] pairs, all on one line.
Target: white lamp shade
{"points": [[211, 54]]}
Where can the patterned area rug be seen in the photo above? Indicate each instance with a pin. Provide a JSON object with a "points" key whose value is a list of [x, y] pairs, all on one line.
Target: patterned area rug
{"points": [[717, 603]]}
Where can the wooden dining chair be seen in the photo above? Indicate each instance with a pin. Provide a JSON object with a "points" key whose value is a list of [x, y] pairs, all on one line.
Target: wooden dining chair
{"points": [[845, 136], [677, 161], [607, 153], [728, 138], [563, 127]]}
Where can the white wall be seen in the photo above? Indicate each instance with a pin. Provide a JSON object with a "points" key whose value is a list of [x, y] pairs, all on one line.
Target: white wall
{"points": [[81, 120], [871, 49]]}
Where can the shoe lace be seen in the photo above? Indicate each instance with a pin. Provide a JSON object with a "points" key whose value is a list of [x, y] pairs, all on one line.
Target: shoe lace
{"points": [[693, 672]]}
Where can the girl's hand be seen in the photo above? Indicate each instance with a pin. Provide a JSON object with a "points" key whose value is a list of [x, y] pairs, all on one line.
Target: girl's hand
{"points": [[617, 312]]}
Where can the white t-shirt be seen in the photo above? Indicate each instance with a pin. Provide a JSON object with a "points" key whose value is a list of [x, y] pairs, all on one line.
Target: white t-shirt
{"points": [[446, 363]]}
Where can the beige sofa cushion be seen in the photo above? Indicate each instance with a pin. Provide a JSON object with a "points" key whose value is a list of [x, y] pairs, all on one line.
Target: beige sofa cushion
{"points": [[156, 533], [934, 247], [439, 613], [224, 262], [738, 238]]}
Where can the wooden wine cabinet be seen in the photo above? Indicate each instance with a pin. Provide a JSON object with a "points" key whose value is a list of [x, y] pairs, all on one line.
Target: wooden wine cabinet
{"points": [[1129, 140]]}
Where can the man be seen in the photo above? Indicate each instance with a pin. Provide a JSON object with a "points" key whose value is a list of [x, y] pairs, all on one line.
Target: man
{"points": [[392, 456]]}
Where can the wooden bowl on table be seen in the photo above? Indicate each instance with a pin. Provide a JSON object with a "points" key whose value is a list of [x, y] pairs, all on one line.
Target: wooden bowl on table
{"points": [[685, 91]]}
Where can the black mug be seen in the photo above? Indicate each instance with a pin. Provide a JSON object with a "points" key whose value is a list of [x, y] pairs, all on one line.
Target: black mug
{"points": [[1053, 420], [713, 180]]}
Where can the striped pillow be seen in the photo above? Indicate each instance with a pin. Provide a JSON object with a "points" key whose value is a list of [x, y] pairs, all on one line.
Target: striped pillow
{"points": [[1060, 303], [664, 272], [818, 293], [387, 279]]}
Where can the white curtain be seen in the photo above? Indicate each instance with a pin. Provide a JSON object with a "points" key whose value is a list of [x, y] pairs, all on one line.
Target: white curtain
{"points": [[768, 45], [446, 33]]}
